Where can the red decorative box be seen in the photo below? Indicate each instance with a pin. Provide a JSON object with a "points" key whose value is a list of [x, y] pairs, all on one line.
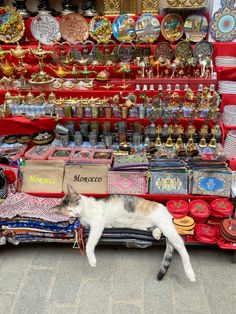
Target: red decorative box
{"points": [[206, 233], [177, 208], [199, 210], [222, 208]]}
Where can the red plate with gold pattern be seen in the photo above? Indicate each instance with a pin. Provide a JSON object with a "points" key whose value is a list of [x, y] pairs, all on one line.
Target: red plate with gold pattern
{"points": [[74, 28]]}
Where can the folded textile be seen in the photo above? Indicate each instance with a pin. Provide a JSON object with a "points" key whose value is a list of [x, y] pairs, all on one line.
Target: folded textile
{"points": [[24, 205]]}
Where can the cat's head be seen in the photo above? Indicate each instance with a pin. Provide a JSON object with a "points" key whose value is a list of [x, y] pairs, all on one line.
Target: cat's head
{"points": [[69, 206]]}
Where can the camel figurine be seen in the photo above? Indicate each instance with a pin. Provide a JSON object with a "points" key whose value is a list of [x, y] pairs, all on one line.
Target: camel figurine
{"points": [[175, 65], [124, 68], [155, 64], [205, 64]]}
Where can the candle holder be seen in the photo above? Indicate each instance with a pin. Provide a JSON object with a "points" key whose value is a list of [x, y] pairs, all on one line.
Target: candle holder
{"points": [[21, 7], [89, 8], [68, 7], [43, 7]]}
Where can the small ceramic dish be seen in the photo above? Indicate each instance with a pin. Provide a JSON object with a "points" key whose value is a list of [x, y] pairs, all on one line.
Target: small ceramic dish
{"points": [[82, 155], [24, 138], [10, 139]]}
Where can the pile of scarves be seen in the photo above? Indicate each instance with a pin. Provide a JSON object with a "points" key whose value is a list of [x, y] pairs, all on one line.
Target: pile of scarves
{"points": [[27, 218]]}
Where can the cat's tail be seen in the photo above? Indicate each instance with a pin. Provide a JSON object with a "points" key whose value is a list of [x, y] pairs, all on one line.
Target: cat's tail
{"points": [[166, 260], [161, 218]]}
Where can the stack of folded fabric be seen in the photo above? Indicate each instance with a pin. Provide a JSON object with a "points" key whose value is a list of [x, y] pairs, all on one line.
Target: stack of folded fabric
{"points": [[222, 208], [199, 211], [127, 236], [184, 226], [228, 230], [206, 233], [27, 218], [177, 208]]}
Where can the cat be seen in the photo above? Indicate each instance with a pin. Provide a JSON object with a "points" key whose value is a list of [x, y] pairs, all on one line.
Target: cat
{"points": [[125, 211]]}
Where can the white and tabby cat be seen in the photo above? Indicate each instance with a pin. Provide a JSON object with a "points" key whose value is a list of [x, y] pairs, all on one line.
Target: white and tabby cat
{"points": [[124, 211]]}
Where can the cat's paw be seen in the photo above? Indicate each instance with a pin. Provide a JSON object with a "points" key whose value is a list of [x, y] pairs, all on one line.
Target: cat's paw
{"points": [[156, 233], [191, 276], [92, 261]]}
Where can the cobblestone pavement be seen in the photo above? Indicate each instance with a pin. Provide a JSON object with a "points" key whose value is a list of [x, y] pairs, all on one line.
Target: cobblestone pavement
{"points": [[45, 279]]}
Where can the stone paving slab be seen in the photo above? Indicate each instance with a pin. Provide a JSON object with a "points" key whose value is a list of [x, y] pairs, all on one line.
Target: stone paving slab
{"points": [[48, 279]]}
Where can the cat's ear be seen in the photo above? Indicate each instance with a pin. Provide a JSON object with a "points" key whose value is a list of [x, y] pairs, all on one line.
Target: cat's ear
{"points": [[71, 190]]}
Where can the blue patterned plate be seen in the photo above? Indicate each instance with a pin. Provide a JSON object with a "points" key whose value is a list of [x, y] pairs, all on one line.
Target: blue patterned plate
{"points": [[223, 22], [123, 28], [147, 28]]}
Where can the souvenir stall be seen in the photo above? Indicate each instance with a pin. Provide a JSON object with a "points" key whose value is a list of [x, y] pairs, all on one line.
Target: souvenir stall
{"points": [[119, 97]]}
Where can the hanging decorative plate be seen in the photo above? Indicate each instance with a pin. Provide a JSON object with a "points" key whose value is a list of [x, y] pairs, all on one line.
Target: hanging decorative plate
{"points": [[45, 29], [223, 22], [123, 28], [183, 50], [74, 27], [12, 25], [100, 29], [196, 27], [147, 28], [164, 50], [172, 27], [203, 48]]}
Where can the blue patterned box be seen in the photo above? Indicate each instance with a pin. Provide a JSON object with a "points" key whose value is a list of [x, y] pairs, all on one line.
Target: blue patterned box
{"points": [[208, 182], [163, 182]]}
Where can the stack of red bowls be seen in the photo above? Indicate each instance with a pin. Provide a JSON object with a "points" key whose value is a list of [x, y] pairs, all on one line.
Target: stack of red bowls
{"points": [[222, 208], [199, 211], [177, 208], [206, 233]]}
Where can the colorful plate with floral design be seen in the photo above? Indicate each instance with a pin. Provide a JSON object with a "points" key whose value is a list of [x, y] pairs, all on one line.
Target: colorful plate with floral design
{"points": [[74, 27], [12, 25], [196, 27], [172, 27], [123, 28], [100, 29], [147, 28], [223, 22], [45, 29]]}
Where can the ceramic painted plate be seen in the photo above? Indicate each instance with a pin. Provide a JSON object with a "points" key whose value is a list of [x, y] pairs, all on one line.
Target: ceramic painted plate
{"points": [[223, 22], [100, 29], [172, 27], [74, 27], [196, 27], [45, 29], [12, 25], [183, 50], [205, 48], [164, 50], [123, 28], [147, 28]]}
